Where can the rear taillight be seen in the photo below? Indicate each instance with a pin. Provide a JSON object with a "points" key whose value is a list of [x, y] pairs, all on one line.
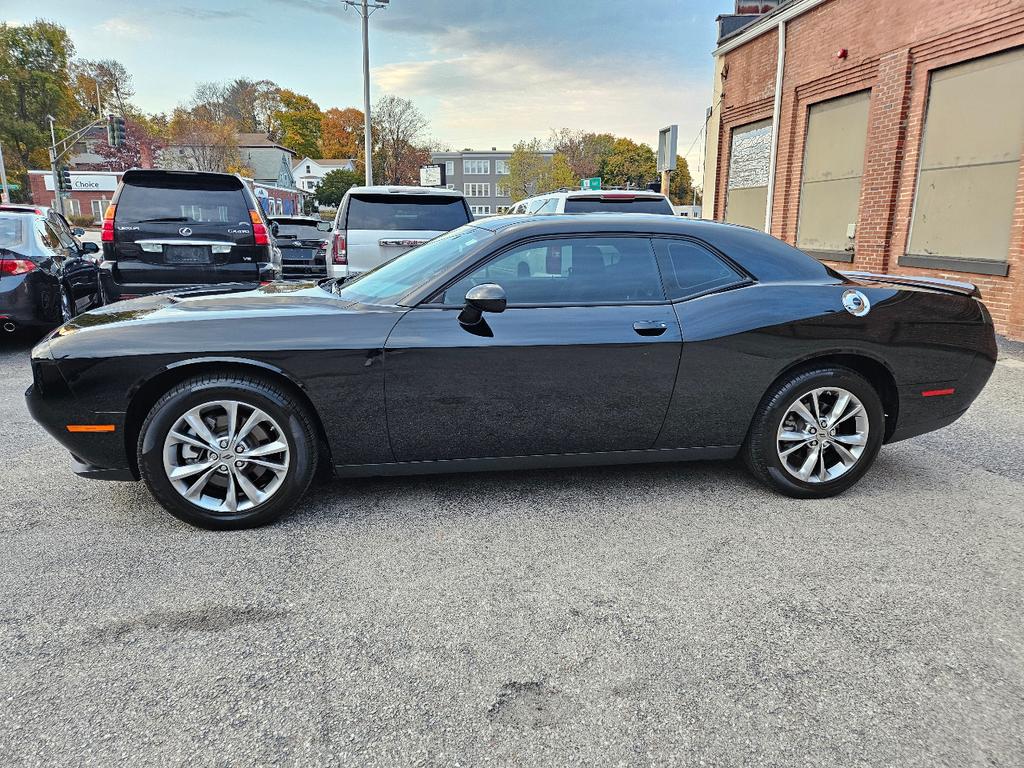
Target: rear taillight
{"points": [[339, 249], [259, 229], [107, 233], [16, 266]]}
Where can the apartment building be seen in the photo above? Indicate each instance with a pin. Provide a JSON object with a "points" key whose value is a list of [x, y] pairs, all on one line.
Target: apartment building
{"points": [[481, 176]]}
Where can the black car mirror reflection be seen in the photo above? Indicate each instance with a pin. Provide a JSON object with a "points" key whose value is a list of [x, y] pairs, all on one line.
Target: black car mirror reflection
{"points": [[90, 248]]}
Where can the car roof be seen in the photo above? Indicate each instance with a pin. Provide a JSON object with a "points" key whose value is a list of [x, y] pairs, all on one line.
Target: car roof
{"points": [[379, 189], [760, 254], [155, 174]]}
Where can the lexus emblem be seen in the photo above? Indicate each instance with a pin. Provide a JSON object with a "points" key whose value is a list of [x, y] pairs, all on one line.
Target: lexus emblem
{"points": [[184, 231]]}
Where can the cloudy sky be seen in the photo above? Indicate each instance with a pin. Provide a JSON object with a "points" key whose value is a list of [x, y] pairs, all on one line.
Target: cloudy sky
{"points": [[486, 73]]}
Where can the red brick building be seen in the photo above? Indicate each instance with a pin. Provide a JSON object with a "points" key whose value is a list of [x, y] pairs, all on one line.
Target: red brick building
{"points": [[892, 144]]}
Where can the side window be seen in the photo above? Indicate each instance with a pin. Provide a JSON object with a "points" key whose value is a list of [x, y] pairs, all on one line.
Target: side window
{"points": [[550, 206], [690, 269], [598, 270], [50, 239], [534, 206]]}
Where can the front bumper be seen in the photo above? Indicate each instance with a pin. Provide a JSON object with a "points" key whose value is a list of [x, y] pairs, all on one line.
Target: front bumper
{"points": [[100, 455]]}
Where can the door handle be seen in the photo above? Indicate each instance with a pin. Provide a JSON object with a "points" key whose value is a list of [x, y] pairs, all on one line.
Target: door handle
{"points": [[650, 327]]}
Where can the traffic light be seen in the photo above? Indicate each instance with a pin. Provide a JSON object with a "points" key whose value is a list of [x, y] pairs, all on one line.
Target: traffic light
{"points": [[115, 130], [64, 179]]}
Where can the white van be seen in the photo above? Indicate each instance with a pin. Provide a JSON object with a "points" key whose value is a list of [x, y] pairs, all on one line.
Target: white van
{"points": [[376, 224]]}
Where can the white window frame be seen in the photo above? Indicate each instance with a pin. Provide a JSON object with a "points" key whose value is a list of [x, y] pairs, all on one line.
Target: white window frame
{"points": [[449, 168], [501, 167], [476, 164], [479, 209], [477, 189], [502, 190]]}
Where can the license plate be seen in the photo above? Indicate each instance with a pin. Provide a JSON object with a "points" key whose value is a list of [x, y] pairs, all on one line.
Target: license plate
{"points": [[186, 254]]}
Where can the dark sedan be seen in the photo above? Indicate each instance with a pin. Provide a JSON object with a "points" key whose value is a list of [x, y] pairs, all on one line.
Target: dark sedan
{"points": [[46, 277], [515, 342]]}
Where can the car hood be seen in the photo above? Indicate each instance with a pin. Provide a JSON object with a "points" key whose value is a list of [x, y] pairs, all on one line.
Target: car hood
{"points": [[208, 302]]}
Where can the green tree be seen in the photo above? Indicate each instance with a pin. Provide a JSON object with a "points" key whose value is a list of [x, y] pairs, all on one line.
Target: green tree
{"points": [[629, 164], [560, 174], [526, 169], [34, 83], [299, 120], [680, 187], [334, 185]]}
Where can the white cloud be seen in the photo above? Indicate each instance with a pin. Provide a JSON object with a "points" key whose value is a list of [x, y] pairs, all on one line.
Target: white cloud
{"points": [[494, 96], [124, 28]]}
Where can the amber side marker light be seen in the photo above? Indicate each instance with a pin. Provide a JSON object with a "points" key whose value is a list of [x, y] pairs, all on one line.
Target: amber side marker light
{"points": [[937, 392], [91, 427]]}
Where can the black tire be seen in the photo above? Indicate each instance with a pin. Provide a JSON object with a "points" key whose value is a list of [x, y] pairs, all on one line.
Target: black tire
{"points": [[255, 392], [761, 453]]}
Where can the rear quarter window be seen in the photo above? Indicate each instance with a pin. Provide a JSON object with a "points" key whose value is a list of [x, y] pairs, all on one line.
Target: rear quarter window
{"points": [[618, 205], [690, 269], [406, 212], [12, 231]]}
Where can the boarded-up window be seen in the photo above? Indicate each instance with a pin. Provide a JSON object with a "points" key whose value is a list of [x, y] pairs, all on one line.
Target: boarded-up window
{"points": [[833, 166], [747, 192], [970, 159]]}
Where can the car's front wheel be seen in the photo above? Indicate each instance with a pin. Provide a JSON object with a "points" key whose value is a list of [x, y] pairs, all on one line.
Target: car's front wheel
{"points": [[816, 433], [227, 451]]}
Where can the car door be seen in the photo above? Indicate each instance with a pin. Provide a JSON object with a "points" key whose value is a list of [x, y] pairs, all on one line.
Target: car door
{"points": [[583, 359]]}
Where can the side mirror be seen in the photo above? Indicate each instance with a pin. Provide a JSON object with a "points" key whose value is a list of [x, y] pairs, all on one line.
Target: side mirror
{"points": [[78, 231], [90, 248], [274, 228], [325, 226], [489, 297]]}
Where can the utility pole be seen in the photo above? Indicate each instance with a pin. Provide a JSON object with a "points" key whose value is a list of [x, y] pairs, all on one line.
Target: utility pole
{"points": [[5, 192], [364, 8]]}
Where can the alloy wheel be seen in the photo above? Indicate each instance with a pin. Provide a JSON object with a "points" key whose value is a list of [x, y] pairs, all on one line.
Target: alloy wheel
{"points": [[823, 434], [226, 456]]}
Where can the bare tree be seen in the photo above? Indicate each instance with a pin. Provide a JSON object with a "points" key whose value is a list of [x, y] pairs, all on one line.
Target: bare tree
{"points": [[106, 75], [199, 144], [399, 130]]}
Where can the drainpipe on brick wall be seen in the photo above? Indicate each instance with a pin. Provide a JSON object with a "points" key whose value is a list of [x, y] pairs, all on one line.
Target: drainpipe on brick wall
{"points": [[776, 112]]}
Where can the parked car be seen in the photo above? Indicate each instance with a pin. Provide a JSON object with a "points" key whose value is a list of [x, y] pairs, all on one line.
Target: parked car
{"points": [[602, 201], [59, 221], [303, 244], [169, 230], [45, 277], [512, 343], [376, 224]]}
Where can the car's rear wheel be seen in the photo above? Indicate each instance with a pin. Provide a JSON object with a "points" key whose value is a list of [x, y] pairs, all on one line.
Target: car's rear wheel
{"points": [[816, 433], [227, 451]]}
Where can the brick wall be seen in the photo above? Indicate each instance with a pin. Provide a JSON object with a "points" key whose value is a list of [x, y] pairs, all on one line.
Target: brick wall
{"points": [[42, 196], [892, 49]]}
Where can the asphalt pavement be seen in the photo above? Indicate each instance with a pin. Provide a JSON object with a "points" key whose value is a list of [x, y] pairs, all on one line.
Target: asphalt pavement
{"points": [[661, 615]]}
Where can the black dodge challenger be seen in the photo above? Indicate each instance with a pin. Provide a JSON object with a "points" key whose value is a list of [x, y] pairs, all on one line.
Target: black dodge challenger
{"points": [[515, 342]]}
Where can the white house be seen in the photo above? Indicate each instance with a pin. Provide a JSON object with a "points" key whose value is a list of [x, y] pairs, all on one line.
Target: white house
{"points": [[309, 171]]}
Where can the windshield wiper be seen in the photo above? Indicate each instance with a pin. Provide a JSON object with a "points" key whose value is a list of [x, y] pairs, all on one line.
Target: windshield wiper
{"points": [[162, 218]]}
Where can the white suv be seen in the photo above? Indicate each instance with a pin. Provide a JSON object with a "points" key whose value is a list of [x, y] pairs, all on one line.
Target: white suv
{"points": [[376, 224], [595, 201]]}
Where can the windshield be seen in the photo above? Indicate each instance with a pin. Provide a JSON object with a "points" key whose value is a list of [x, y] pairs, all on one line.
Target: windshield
{"points": [[437, 213], [391, 281]]}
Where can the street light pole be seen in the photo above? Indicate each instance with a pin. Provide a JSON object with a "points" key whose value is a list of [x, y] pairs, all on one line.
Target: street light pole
{"points": [[364, 8], [367, 137], [53, 167]]}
